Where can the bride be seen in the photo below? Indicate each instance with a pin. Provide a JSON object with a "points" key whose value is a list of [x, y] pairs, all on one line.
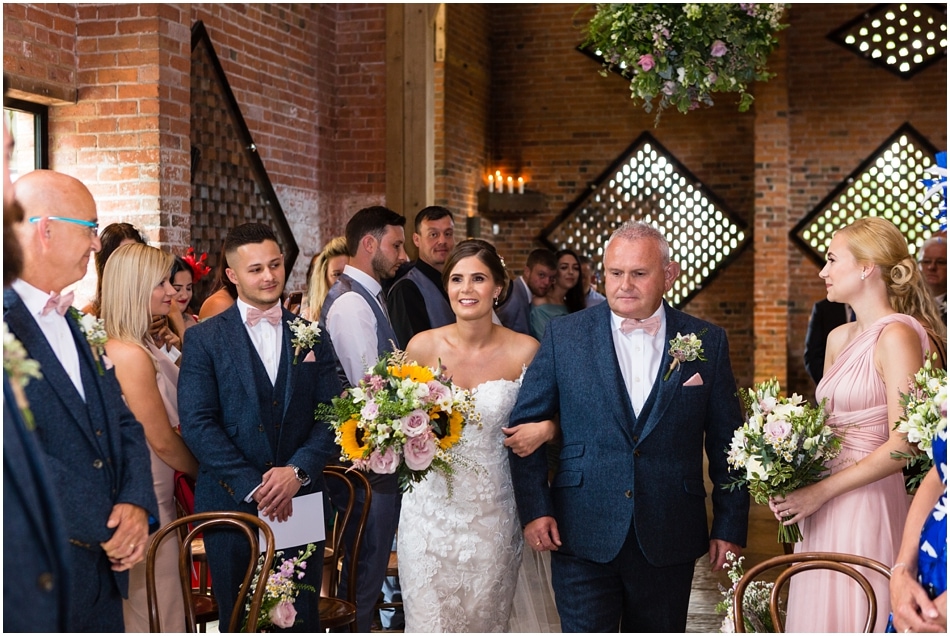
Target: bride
{"points": [[460, 541]]}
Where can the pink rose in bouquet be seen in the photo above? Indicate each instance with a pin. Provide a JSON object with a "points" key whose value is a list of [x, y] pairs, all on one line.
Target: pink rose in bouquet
{"points": [[283, 615], [415, 424], [419, 451], [385, 462]]}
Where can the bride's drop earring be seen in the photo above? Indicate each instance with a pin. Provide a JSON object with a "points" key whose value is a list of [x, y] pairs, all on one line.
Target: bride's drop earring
{"points": [[863, 275]]}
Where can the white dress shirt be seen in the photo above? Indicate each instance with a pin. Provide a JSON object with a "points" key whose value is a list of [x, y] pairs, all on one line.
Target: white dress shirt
{"points": [[352, 327], [56, 330], [266, 339], [639, 355]]}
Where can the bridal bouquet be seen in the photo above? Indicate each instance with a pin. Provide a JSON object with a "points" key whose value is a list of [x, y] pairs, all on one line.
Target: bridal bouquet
{"points": [[925, 412], [782, 446], [403, 418], [756, 614], [282, 588]]}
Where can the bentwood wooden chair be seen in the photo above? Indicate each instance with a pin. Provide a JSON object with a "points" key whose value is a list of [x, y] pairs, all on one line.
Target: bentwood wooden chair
{"points": [[337, 612], [206, 607], [248, 525], [801, 562]]}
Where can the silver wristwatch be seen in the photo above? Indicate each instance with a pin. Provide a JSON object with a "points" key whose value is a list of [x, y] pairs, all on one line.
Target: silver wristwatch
{"points": [[301, 476]]}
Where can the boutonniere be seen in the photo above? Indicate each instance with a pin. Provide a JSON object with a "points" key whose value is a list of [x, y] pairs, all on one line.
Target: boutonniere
{"points": [[21, 369], [685, 349], [306, 335], [95, 331]]}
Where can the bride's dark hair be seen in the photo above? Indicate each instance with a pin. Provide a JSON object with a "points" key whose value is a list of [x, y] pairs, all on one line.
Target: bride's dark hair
{"points": [[483, 251]]}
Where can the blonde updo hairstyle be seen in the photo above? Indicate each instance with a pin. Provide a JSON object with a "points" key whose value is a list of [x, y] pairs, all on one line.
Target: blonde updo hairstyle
{"points": [[129, 277], [878, 241]]}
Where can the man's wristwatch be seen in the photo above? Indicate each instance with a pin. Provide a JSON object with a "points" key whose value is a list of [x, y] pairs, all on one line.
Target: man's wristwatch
{"points": [[301, 476]]}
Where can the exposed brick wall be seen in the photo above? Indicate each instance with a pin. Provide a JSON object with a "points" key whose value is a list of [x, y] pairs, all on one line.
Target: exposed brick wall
{"points": [[39, 48]]}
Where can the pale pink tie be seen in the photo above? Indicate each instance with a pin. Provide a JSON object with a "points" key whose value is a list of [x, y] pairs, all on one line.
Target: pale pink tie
{"points": [[650, 325], [60, 302], [272, 315]]}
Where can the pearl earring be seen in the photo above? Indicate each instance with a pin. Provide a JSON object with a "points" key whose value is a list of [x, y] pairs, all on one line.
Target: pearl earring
{"points": [[862, 275]]}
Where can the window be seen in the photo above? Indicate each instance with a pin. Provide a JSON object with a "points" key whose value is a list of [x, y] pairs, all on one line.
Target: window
{"points": [[29, 125]]}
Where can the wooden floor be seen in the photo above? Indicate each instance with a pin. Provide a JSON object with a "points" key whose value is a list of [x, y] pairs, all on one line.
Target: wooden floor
{"points": [[761, 545]]}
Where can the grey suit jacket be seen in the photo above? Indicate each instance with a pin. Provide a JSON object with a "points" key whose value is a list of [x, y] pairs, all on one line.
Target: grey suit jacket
{"points": [[614, 470]]}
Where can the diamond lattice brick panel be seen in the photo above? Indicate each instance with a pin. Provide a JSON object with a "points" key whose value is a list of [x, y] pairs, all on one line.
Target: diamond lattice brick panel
{"points": [[646, 183], [887, 184], [229, 185], [903, 38]]}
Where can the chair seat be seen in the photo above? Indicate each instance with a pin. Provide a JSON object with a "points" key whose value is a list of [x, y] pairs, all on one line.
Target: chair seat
{"points": [[335, 612]]}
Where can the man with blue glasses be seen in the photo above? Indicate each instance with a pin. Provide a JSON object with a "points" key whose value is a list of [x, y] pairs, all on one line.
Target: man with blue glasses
{"points": [[93, 445]]}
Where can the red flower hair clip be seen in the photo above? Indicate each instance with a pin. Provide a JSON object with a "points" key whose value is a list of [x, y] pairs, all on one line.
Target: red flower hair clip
{"points": [[199, 268]]}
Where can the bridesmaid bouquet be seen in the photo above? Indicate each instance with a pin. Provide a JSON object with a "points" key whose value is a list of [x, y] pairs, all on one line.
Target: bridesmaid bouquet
{"points": [[756, 612], [403, 418], [277, 608], [925, 411], [782, 446]]}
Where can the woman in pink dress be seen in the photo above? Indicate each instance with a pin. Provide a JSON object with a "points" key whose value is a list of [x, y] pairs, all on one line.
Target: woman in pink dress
{"points": [[861, 506], [135, 288]]}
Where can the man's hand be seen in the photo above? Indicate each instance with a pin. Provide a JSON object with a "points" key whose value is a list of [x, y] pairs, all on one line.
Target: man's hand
{"points": [[717, 553], [278, 487], [541, 534], [128, 542]]}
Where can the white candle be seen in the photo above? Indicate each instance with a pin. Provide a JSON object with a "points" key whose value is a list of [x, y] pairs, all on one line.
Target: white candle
{"points": [[491, 183], [520, 185], [511, 185]]}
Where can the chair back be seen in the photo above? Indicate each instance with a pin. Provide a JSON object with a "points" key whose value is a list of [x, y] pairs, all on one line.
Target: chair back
{"points": [[198, 523], [801, 562], [335, 612]]}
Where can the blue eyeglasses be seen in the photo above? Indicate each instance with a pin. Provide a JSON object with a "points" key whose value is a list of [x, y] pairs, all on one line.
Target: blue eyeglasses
{"points": [[92, 225]]}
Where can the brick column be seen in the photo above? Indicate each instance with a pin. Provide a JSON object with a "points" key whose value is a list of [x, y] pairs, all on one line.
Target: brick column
{"points": [[772, 222]]}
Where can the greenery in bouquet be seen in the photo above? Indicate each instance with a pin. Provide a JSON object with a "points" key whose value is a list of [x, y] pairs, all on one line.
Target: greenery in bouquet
{"points": [[282, 587], [782, 446], [402, 418], [679, 54], [756, 614], [924, 413]]}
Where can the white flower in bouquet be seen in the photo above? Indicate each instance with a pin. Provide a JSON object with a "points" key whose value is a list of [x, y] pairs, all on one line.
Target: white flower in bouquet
{"points": [[755, 602], [306, 335], [924, 413], [781, 447]]}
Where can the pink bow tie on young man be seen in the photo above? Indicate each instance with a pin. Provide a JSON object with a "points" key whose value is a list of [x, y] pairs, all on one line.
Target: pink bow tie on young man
{"points": [[272, 315], [61, 303], [651, 325]]}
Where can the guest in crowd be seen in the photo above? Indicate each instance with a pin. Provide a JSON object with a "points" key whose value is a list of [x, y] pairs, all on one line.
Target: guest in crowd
{"points": [[112, 237], [325, 268], [135, 287], [223, 294], [825, 317], [35, 550], [565, 296], [590, 279], [932, 259], [919, 577], [356, 317], [418, 300], [94, 446], [534, 282], [861, 506], [187, 270], [247, 413]]}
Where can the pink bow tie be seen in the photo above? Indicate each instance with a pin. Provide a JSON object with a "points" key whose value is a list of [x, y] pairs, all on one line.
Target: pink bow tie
{"points": [[61, 303], [272, 315], [650, 325]]}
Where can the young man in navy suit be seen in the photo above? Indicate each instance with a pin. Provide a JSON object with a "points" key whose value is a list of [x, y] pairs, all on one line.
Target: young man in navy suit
{"points": [[625, 514], [93, 446], [247, 413]]}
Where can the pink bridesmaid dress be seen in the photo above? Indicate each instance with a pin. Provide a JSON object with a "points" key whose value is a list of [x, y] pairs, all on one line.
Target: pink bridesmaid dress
{"points": [[867, 521]]}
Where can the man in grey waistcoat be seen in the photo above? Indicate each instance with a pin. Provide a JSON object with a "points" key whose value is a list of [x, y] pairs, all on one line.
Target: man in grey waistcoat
{"points": [[355, 315]]}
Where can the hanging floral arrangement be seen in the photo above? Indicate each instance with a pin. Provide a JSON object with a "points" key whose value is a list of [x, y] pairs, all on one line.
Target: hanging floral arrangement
{"points": [[679, 54]]}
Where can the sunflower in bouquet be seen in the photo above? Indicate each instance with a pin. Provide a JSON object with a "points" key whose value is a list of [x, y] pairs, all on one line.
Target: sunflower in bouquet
{"points": [[402, 418], [783, 445]]}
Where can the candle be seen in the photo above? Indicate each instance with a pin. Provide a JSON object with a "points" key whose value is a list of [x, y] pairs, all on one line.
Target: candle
{"points": [[520, 185], [511, 185], [491, 183]]}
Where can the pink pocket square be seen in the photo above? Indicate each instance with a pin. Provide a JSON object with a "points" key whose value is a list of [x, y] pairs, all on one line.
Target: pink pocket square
{"points": [[310, 357], [696, 380]]}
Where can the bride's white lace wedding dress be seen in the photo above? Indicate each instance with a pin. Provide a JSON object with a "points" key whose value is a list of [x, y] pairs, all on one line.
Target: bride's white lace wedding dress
{"points": [[460, 555]]}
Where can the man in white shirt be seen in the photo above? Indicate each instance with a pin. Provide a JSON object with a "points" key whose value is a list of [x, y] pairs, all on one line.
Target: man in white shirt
{"points": [[246, 400], [356, 317], [592, 296], [538, 276], [93, 445]]}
